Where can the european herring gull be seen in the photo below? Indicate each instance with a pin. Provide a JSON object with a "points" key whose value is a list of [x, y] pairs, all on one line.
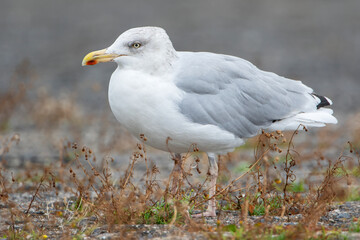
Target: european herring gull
{"points": [[212, 100]]}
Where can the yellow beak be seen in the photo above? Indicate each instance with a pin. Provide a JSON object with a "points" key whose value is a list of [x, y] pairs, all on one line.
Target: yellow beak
{"points": [[99, 56]]}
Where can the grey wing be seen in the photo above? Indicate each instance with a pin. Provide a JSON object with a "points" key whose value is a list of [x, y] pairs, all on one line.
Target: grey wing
{"points": [[233, 94]]}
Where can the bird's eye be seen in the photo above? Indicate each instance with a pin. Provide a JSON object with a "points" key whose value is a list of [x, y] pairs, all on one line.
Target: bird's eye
{"points": [[136, 45]]}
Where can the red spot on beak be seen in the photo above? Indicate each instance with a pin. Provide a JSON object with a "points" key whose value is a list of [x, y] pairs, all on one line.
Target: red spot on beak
{"points": [[91, 62]]}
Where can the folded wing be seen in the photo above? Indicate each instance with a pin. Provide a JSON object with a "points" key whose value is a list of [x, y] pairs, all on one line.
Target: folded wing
{"points": [[233, 94]]}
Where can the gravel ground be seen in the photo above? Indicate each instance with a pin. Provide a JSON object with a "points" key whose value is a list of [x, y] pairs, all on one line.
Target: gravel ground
{"points": [[338, 216], [41, 148], [38, 150]]}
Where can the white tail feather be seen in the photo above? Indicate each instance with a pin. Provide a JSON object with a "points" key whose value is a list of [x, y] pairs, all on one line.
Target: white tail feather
{"points": [[329, 100], [317, 118]]}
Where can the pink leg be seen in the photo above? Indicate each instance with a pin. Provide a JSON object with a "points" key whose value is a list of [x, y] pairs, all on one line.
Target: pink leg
{"points": [[213, 173]]}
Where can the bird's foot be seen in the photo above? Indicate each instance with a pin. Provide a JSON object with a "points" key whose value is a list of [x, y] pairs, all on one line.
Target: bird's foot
{"points": [[207, 213]]}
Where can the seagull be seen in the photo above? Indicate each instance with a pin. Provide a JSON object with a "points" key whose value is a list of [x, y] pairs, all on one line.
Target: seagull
{"points": [[215, 101]]}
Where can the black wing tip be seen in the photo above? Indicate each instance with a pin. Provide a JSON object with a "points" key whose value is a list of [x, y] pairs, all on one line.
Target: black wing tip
{"points": [[324, 101]]}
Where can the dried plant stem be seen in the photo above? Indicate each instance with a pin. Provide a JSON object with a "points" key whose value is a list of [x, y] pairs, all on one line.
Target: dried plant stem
{"points": [[283, 209], [174, 216], [35, 194], [290, 162], [244, 212], [129, 174]]}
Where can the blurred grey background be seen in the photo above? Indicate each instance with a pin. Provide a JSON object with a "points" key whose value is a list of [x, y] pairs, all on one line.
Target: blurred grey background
{"points": [[317, 42]]}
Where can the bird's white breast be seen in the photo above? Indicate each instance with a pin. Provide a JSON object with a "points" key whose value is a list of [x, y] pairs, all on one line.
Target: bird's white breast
{"points": [[148, 105]]}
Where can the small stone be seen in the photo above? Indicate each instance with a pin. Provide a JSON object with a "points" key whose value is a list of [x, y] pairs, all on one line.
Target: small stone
{"points": [[106, 236], [98, 231], [290, 223], [344, 215]]}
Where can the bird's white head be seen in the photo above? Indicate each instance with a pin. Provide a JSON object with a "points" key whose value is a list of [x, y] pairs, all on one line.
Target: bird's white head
{"points": [[143, 48]]}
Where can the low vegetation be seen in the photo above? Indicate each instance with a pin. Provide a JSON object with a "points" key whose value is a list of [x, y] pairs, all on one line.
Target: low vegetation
{"points": [[264, 196]]}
